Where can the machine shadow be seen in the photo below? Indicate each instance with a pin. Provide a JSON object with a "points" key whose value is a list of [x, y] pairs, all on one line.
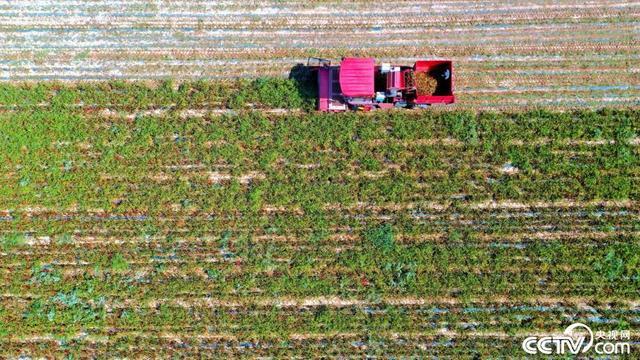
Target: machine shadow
{"points": [[305, 79]]}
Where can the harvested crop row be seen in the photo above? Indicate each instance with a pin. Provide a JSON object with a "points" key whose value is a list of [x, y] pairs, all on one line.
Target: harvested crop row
{"points": [[43, 40]]}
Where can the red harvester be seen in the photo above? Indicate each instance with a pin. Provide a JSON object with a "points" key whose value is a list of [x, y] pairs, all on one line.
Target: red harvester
{"points": [[360, 84]]}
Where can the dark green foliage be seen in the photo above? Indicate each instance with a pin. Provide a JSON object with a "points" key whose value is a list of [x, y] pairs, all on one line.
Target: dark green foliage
{"points": [[463, 126], [612, 266], [380, 239], [66, 312], [45, 274], [276, 93], [620, 262], [125, 95]]}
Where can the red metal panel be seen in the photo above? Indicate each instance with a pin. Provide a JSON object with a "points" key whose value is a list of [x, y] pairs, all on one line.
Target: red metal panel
{"points": [[435, 99], [395, 79], [356, 77], [323, 89]]}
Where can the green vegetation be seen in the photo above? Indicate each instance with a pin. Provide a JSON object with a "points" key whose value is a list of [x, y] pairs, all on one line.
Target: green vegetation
{"points": [[11, 241], [123, 95], [119, 263], [405, 223]]}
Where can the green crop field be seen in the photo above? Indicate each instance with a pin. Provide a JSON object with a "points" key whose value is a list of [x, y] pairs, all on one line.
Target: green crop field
{"points": [[167, 189], [146, 220]]}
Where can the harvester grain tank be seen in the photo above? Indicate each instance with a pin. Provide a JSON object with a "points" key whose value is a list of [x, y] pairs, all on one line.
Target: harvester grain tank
{"points": [[360, 84]]}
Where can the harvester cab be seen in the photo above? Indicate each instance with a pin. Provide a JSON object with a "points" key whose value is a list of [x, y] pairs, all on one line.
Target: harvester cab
{"points": [[360, 84]]}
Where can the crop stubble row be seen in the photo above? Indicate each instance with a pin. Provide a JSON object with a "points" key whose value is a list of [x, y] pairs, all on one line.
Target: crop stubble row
{"points": [[140, 40]]}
